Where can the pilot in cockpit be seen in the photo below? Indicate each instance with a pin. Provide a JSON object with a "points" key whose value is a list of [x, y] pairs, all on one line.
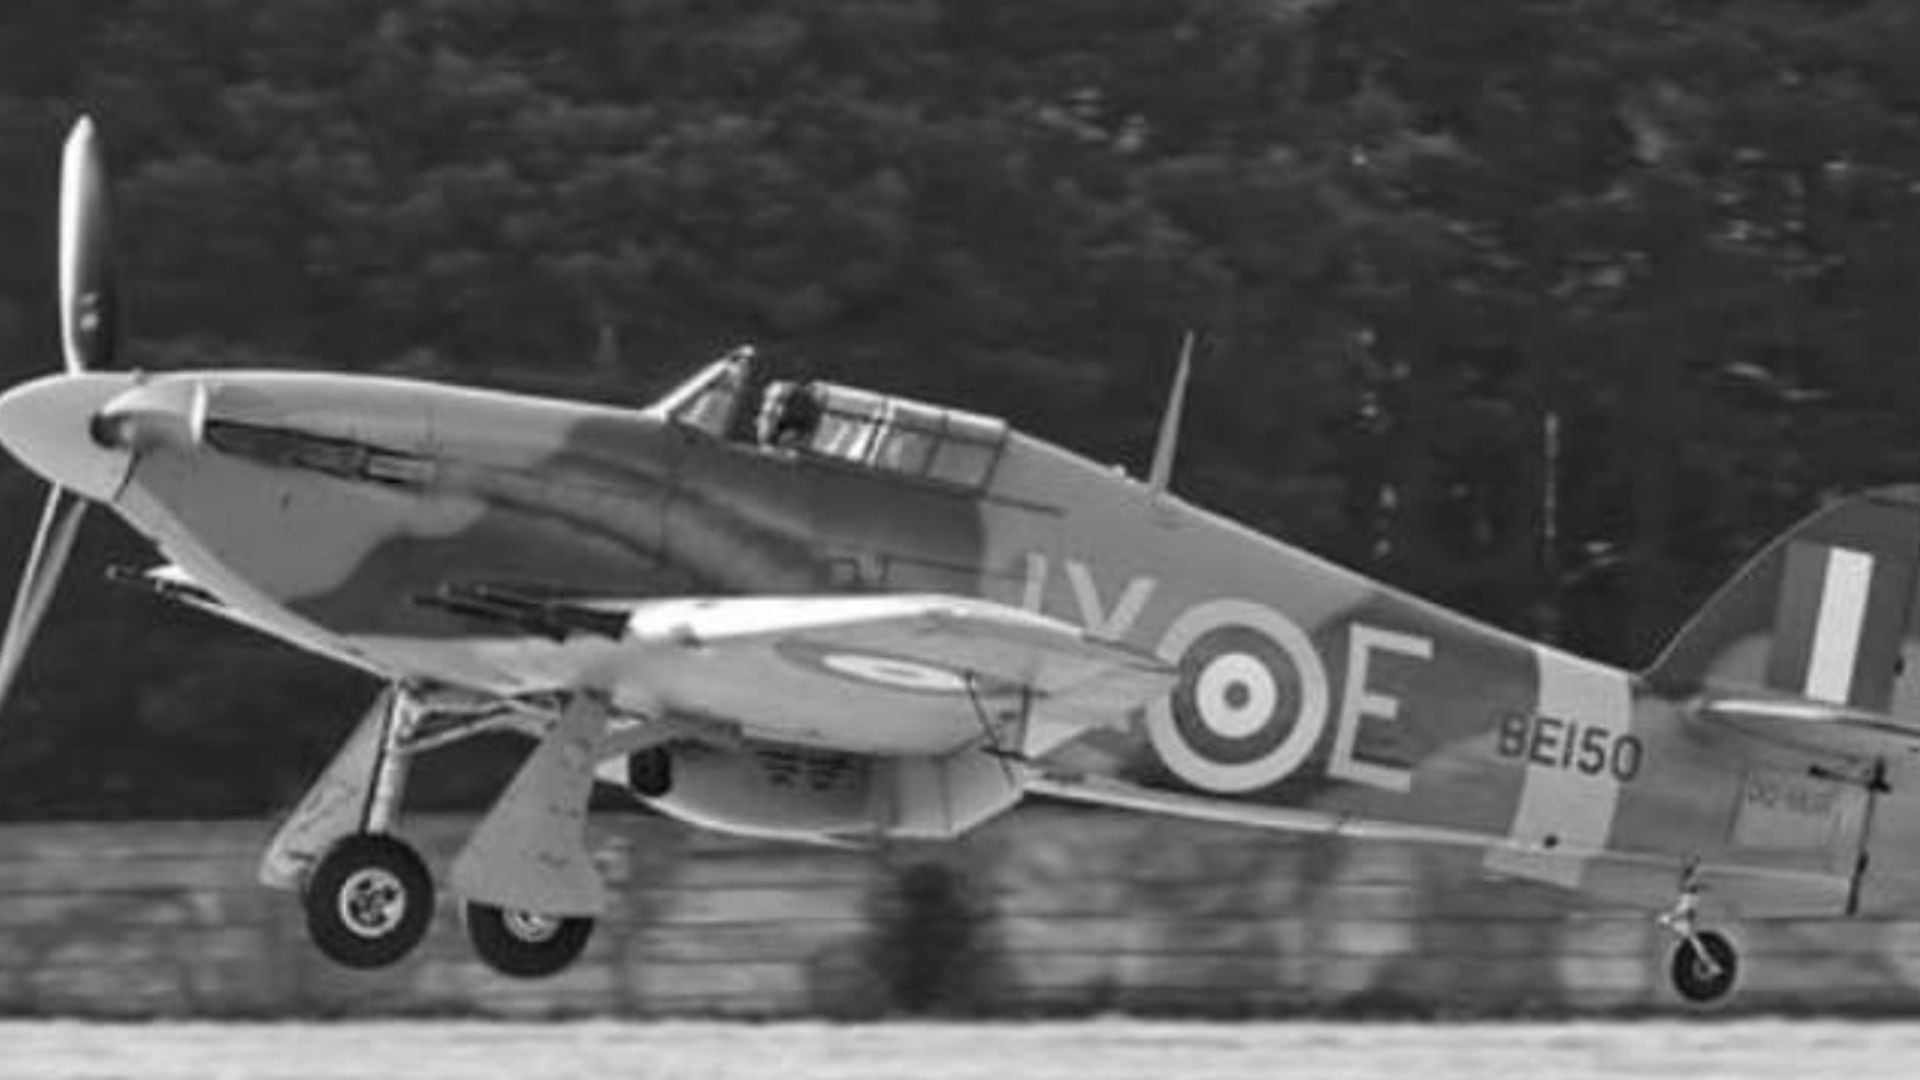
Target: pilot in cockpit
{"points": [[789, 416]]}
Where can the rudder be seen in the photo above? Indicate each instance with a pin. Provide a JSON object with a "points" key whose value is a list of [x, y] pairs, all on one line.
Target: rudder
{"points": [[1821, 613]]}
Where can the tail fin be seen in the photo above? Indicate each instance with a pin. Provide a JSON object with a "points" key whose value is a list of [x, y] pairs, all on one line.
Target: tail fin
{"points": [[1822, 613]]}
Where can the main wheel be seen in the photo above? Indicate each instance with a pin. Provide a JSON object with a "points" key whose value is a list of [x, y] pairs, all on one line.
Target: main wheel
{"points": [[523, 944], [1697, 980], [369, 902]]}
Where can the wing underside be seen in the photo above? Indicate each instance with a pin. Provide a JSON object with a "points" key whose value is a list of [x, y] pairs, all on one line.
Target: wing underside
{"points": [[878, 674]]}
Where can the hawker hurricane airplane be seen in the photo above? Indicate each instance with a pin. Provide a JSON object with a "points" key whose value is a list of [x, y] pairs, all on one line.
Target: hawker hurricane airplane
{"points": [[809, 611]]}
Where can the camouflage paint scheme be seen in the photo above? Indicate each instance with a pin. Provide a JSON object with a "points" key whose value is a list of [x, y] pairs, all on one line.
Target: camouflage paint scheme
{"points": [[321, 508], [881, 619]]}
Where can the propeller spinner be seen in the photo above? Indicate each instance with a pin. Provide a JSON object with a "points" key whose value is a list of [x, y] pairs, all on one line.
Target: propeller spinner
{"points": [[49, 423]]}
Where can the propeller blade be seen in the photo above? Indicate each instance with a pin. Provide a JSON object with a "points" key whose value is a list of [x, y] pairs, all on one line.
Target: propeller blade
{"points": [[59, 525], [87, 300]]}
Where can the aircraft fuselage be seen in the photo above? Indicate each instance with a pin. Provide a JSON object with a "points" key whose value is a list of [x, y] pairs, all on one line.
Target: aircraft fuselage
{"points": [[324, 508]]}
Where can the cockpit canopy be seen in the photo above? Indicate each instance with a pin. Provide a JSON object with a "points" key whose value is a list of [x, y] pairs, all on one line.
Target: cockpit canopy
{"points": [[710, 400], [839, 423]]}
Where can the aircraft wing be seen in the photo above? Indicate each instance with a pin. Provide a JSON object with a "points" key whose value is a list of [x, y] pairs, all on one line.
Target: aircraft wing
{"points": [[172, 582], [885, 674]]}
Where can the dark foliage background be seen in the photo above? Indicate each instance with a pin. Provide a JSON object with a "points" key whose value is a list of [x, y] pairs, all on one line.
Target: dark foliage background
{"points": [[1408, 231]]}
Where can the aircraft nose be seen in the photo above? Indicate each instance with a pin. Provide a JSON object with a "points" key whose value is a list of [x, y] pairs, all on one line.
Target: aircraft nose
{"points": [[48, 424]]}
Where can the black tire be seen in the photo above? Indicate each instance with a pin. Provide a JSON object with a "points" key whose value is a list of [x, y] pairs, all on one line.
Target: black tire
{"points": [[369, 902], [1692, 978], [524, 945], [650, 772]]}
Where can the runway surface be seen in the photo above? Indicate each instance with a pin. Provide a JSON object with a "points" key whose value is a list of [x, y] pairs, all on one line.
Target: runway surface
{"points": [[1093, 1050]]}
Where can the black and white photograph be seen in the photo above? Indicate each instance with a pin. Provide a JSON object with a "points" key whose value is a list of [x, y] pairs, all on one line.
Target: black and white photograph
{"points": [[959, 539]]}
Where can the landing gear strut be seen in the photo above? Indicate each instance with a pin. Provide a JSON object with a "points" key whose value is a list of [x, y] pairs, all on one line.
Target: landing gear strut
{"points": [[1704, 963], [368, 897], [531, 885]]}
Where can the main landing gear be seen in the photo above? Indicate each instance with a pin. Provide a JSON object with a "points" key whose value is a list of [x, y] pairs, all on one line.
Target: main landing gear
{"points": [[369, 902], [368, 896], [1704, 963], [523, 944]]}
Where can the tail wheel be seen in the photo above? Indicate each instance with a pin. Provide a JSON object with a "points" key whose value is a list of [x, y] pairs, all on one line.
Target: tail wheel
{"points": [[524, 944], [369, 902], [1703, 973]]}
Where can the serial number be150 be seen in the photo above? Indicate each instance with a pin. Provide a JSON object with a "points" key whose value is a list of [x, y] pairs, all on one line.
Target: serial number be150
{"points": [[1564, 744]]}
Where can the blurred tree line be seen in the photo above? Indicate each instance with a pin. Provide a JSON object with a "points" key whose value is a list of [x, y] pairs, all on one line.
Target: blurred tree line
{"points": [[1407, 233]]}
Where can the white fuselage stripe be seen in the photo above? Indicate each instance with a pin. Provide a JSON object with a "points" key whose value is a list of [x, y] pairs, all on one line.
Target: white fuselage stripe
{"points": [[1563, 808], [1836, 634]]}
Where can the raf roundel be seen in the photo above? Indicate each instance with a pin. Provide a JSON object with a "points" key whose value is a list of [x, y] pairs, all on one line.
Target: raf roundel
{"points": [[894, 671], [1251, 701], [875, 668]]}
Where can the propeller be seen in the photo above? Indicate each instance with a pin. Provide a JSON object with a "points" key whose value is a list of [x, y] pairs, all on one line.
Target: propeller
{"points": [[88, 325], [87, 338]]}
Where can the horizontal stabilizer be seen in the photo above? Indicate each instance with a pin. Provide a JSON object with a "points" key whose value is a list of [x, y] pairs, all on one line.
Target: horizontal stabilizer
{"points": [[1813, 724]]}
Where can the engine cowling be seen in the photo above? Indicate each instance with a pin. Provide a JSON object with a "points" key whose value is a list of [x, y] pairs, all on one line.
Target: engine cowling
{"points": [[803, 793]]}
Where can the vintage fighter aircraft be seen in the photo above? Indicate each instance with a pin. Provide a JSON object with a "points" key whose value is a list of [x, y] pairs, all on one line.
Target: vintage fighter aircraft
{"points": [[880, 618]]}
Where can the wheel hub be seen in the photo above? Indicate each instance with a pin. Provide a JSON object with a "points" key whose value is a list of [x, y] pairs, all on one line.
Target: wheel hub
{"points": [[532, 928], [372, 901]]}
